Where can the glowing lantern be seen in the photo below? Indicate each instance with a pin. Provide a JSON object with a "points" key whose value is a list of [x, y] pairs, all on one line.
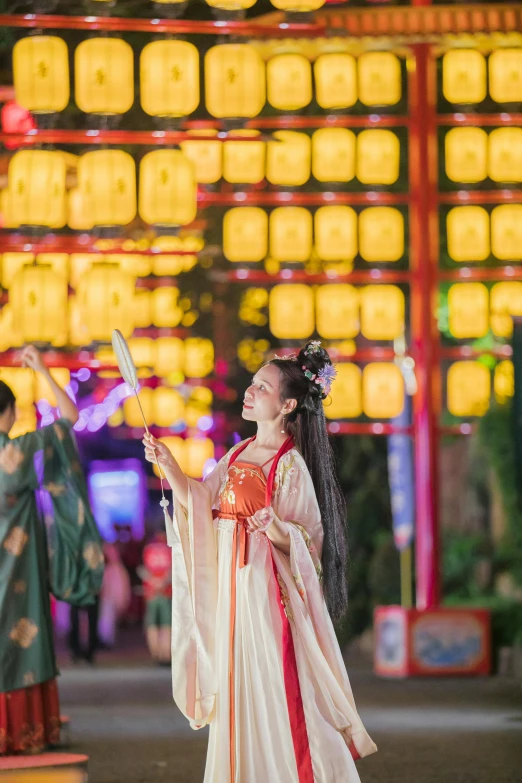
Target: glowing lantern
{"points": [[105, 295], [10, 336], [345, 400], [8, 218], [382, 312], [142, 309], [506, 232], [135, 264], [170, 356], [289, 159], [44, 391], [41, 73], [131, 408], [197, 452], [337, 311], [505, 302], [333, 155], [291, 234], [244, 161], [104, 76], [245, 234], [289, 82], [169, 78], [234, 81], [176, 446], [169, 407], [379, 79], [466, 154], [12, 263], [505, 155], [505, 75], [335, 231], [230, 5], [464, 76], [335, 80], [468, 305], [78, 333], [383, 390], [167, 189], [381, 234], [205, 156], [378, 157], [199, 357], [107, 181], [36, 184], [291, 312], [142, 351], [198, 404], [21, 382], [298, 6], [469, 389], [38, 298], [25, 422], [468, 234], [165, 308], [504, 381], [78, 217]]}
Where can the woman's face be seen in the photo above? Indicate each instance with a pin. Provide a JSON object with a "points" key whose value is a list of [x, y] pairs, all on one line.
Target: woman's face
{"points": [[262, 398]]}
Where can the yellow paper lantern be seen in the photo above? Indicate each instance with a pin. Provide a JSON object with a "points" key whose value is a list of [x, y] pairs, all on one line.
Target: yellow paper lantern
{"points": [[197, 452], [41, 73], [345, 401], [165, 308], [298, 6], [58, 262], [38, 297], [21, 382], [168, 195], [170, 356], [104, 76], [504, 381], [234, 81], [466, 154], [505, 302], [135, 264], [142, 309], [143, 351], [378, 157], [382, 312], [105, 295], [289, 81], [379, 79], [79, 265], [107, 181], [337, 311], [335, 231], [176, 446], [198, 404], [244, 161], [383, 390], [8, 218], [199, 357], [11, 265], [468, 305], [78, 332], [381, 234], [335, 80], [468, 389], [25, 422], [169, 407], [333, 155], [43, 391], [36, 183], [464, 76], [506, 232], [231, 5], [291, 234], [245, 234], [468, 234], [291, 311], [78, 217], [10, 336], [169, 78], [131, 408], [289, 159], [205, 156], [505, 155], [505, 75]]}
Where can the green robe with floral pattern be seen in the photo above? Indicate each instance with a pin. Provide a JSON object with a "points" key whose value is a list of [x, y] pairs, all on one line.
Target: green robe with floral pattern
{"points": [[60, 553]]}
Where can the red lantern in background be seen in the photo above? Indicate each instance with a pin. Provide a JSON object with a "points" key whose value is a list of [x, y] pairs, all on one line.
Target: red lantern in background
{"points": [[16, 119]]}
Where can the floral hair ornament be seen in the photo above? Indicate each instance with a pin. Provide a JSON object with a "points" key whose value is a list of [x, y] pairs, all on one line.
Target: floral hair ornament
{"points": [[325, 378], [290, 357], [314, 346]]}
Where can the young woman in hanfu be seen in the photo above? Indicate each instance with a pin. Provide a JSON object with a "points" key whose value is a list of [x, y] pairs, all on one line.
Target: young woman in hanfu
{"points": [[63, 556], [259, 553]]}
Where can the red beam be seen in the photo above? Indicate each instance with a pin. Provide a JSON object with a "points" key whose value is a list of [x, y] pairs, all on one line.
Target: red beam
{"points": [[480, 120], [149, 138], [366, 428], [328, 121], [305, 199], [302, 276], [467, 273], [77, 243], [462, 197]]}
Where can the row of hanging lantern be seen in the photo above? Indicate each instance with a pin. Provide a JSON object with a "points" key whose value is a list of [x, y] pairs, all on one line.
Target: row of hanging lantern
{"points": [[290, 234], [472, 155], [473, 309], [336, 311], [468, 76], [30, 387], [106, 193], [474, 233], [168, 357], [237, 82], [167, 407], [195, 456]]}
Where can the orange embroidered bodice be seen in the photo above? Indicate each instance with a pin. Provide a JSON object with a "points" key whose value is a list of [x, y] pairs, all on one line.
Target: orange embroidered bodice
{"points": [[244, 490]]}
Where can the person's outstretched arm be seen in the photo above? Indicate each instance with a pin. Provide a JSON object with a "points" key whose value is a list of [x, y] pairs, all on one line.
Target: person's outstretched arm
{"points": [[156, 450], [32, 358]]}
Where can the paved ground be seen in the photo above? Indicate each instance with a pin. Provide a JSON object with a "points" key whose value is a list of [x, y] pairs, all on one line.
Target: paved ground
{"points": [[428, 731]]}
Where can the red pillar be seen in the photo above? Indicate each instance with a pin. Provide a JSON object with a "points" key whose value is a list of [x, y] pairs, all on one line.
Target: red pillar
{"points": [[424, 260]]}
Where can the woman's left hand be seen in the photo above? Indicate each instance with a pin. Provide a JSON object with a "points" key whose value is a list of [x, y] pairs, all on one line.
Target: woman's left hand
{"points": [[261, 520]]}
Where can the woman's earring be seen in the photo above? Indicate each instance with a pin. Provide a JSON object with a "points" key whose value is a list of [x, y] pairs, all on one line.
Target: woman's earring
{"points": [[283, 431]]}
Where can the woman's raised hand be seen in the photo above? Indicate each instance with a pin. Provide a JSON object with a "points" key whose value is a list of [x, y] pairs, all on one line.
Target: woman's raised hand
{"points": [[155, 450], [261, 520], [31, 357]]}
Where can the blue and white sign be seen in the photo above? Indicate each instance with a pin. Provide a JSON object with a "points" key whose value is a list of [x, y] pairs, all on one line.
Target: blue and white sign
{"points": [[400, 477]]}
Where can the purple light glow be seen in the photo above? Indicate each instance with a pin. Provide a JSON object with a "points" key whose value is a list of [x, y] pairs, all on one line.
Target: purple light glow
{"points": [[205, 423]]}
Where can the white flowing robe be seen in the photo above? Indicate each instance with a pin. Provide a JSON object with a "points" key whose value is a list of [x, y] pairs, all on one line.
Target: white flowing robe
{"points": [[201, 570]]}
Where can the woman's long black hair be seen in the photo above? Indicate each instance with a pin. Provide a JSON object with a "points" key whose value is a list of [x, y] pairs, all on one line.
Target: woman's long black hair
{"points": [[7, 398], [307, 425]]}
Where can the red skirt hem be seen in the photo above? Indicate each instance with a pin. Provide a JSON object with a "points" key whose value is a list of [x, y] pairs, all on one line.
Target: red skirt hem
{"points": [[29, 718]]}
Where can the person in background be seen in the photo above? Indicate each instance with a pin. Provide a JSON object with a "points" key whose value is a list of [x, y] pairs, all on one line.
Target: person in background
{"points": [[115, 595], [62, 556], [157, 587]]}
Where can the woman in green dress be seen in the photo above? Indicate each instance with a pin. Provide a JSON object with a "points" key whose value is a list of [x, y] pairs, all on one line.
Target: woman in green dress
{"points": [[59, 552]]}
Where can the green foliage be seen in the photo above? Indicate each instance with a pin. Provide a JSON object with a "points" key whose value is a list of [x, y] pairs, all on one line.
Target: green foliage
{"points": [[461, 554]]}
